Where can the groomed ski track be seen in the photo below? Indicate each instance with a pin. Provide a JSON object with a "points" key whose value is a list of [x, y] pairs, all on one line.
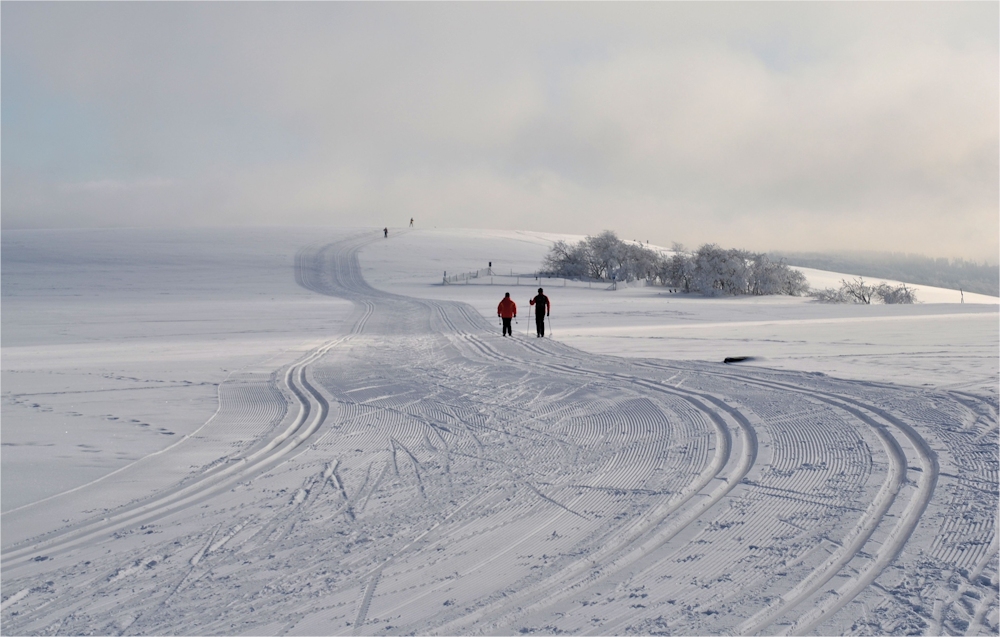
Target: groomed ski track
{"points": [[421, 474]]}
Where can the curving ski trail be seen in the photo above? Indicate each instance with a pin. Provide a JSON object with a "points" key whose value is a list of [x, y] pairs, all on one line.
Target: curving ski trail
{"points": [[435, 478]]}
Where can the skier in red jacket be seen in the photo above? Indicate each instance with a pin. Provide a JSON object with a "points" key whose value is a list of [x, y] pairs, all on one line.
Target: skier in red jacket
{"points": [[507, 310]]}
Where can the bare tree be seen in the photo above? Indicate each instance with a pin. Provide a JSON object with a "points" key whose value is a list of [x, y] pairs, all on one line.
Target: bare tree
{"points": [[857, 290]]}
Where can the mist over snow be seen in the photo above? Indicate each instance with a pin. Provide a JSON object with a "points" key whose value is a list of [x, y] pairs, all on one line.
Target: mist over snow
{"points": [[790, 126], [253, 374]]}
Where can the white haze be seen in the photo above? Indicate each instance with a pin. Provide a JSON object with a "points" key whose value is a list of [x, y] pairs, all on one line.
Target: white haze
{"points": [[795, 126]]}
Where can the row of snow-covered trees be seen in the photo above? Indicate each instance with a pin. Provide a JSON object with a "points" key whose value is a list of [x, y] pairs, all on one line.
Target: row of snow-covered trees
{"points": [[709, 270], [859, 291], [714, 271]]}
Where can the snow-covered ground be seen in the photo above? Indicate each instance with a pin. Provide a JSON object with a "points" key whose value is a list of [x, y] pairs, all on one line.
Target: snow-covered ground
{"points": [[937, 342], [303, 432]]}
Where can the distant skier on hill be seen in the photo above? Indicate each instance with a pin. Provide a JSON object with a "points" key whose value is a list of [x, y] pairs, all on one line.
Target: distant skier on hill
{"points": [[507, 310], [542, 307], [385, 231]]}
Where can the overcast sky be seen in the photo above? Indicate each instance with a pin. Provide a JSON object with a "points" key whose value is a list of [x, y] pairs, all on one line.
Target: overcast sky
{"points": [[790, 126]]}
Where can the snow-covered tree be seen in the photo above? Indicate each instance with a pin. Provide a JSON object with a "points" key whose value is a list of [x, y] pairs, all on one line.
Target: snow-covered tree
{"points": [[857, 291], [678, 270], [603, 257], [567, 260], [710, 270], [891, 295]]}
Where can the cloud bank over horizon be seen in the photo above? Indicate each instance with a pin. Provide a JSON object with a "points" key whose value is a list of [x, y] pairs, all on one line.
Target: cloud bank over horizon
{"points": [[775, 126]]}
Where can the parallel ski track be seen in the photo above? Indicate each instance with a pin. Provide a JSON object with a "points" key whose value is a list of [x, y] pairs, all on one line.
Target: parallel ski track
{"points": [[715, 472], [873, 416], [617, 556], [877, 419], [260, 458], [622, 550], [630, 545]]}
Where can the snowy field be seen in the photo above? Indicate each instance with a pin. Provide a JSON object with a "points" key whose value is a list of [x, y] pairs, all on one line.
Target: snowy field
{"points": [[289, 431]]}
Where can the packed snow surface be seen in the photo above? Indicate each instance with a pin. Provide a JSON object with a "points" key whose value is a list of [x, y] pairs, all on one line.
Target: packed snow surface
{"points": [[304, 432]]}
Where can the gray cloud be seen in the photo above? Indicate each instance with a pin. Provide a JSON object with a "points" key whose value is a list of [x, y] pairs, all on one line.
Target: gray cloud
{"points": [[775, 125]]}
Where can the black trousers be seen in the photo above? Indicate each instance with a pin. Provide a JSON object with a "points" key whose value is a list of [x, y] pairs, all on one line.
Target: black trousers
{"points": [[540, 324], [506, 327]]}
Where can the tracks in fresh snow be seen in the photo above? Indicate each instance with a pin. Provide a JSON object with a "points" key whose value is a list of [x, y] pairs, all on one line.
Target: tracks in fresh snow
{"points": [[639, 541], [312, 410], [435, 477], [667, 520], [849, 548]]}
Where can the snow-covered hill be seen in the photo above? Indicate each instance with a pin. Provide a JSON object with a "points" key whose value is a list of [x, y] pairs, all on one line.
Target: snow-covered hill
{"points": [[936, 342], [304, 432]]}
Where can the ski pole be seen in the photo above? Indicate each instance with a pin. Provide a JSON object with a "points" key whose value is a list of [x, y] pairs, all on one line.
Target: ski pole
{"points": [[527, 330], [549, 316]]}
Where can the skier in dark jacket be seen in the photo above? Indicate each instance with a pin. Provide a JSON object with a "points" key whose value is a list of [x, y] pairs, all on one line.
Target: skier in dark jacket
{"points": [[542, 307]]}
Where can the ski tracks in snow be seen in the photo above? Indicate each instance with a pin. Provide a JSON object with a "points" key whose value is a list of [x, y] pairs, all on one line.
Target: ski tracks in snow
{"points": [[312, 410], [434, 477]]}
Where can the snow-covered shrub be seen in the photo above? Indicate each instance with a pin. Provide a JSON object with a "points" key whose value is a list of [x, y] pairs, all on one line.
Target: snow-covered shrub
{"points": [[771, 277], [795, 283], [891, 295], [829, 295], [857, 291]]}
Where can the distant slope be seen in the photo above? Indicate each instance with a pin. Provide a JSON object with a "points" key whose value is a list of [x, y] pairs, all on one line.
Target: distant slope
{"points": [[957, 274]]}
